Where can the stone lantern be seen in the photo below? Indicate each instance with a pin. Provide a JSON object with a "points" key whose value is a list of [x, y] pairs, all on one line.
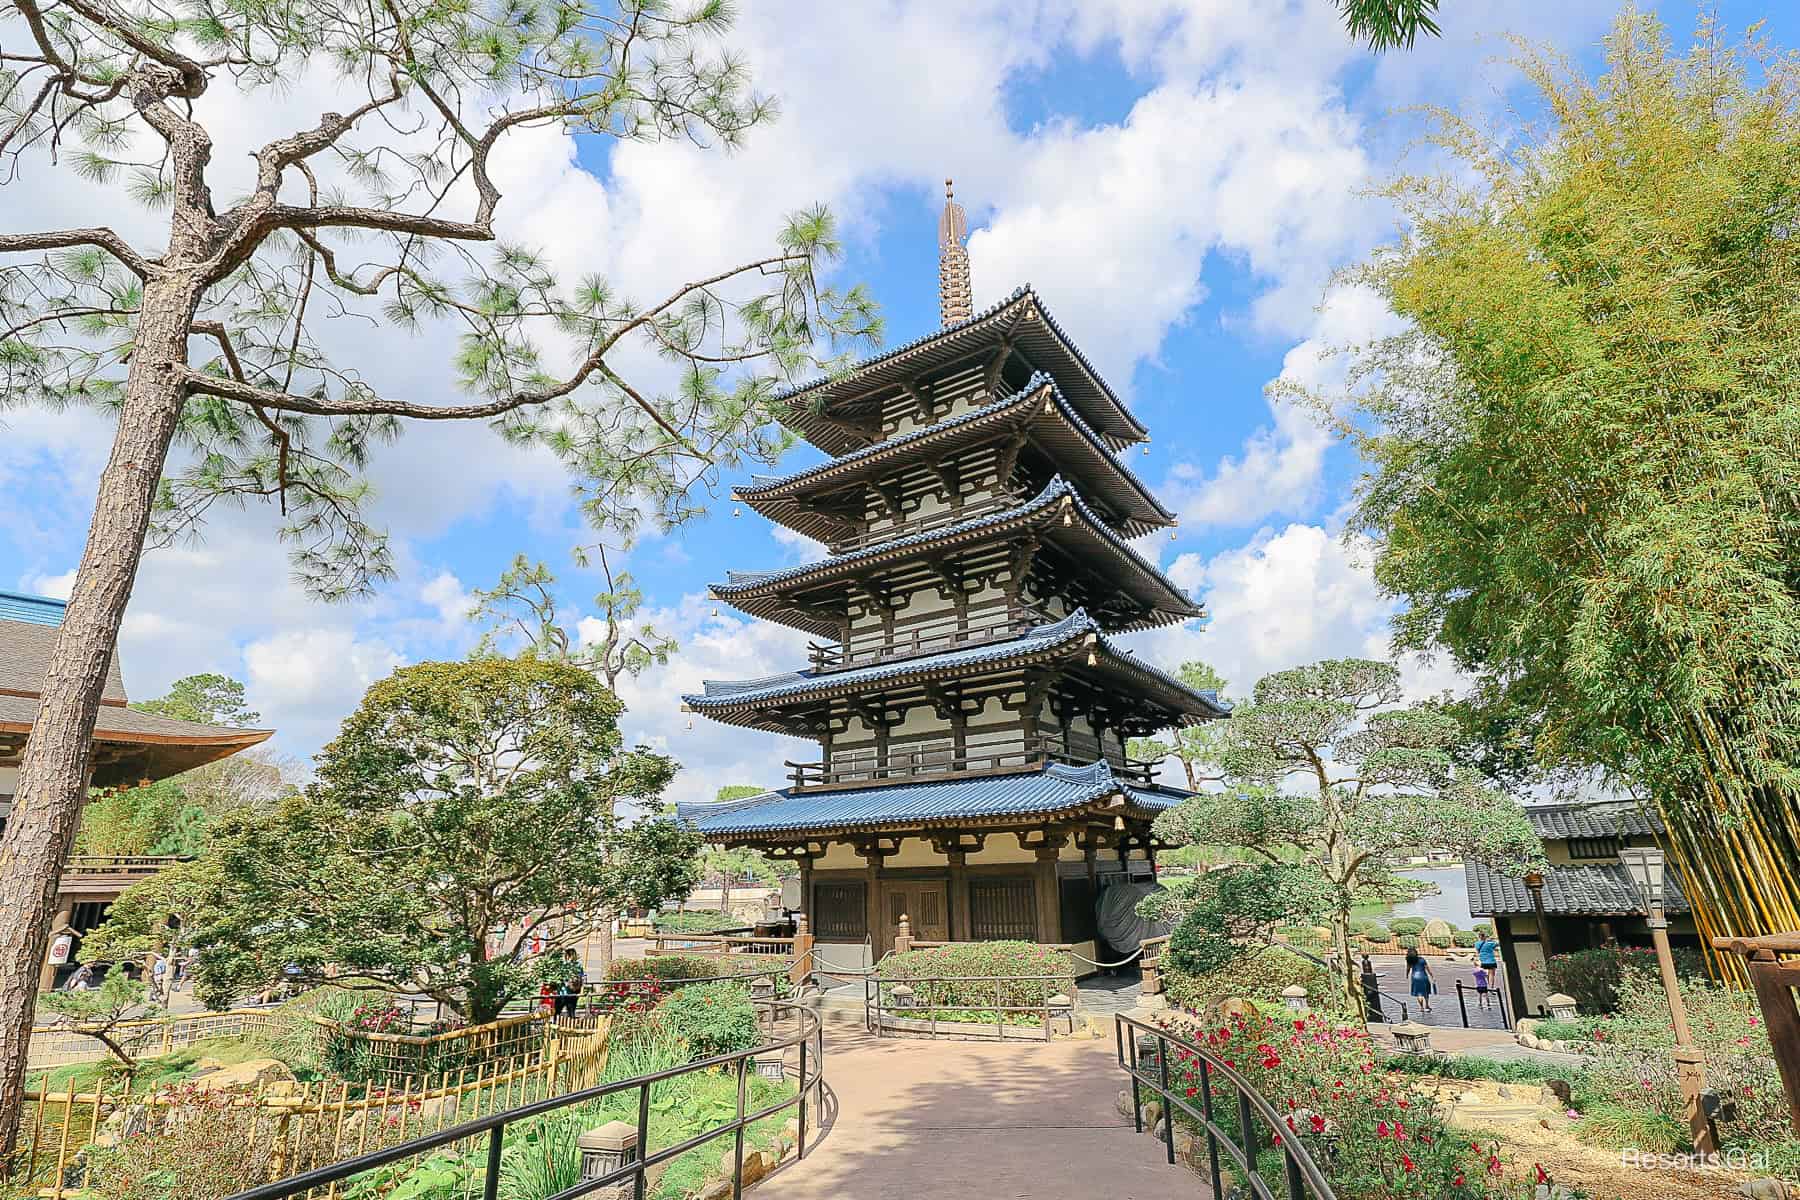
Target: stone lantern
{"points": [[605, 1150], [1061, 1008], [901, 996], [1149, 1053], [1294, 996], [762, 990], [1561, 1007], [1412, 1038], [768, 1066]]}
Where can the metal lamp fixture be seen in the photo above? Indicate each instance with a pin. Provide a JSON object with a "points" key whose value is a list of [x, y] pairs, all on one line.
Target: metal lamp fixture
{"points": [[1645, 866]]}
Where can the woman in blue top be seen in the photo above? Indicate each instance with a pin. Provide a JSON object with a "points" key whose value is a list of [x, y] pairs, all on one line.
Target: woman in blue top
{"points": [[1423, 985]]}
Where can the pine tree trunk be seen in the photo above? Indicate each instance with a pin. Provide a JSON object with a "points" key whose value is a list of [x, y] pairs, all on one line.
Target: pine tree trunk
{"points": [[1348, 973], [53, 774]]}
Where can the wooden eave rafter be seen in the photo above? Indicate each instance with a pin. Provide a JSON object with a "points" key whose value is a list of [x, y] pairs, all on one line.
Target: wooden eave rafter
{"points": [[1032, 418], [784, 600], [1022, 319]]}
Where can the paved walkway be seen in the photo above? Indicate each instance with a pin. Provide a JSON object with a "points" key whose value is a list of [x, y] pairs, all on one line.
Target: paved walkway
{"points": [[910, 1118]]}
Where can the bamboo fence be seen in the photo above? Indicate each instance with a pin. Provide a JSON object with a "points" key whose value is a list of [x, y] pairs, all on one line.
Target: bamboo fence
{"points": [[55, 1046], [275, 1129]]}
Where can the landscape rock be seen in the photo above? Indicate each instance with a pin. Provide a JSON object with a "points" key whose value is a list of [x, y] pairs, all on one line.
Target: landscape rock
{"points": [[1555, 1093], [1151, 1113], [791, 1129], [1124, 1102], [246, 1074], [718, 1189], [1437, 927], [1763, 1189]]}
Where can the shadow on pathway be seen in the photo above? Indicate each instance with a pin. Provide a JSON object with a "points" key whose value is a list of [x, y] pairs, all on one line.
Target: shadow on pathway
{"points": [[917, 1118]]}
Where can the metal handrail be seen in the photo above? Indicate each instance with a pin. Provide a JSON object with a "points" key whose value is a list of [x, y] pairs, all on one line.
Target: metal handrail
{"points": [[874, 1006], [811, 1036], [1303, 1176]]}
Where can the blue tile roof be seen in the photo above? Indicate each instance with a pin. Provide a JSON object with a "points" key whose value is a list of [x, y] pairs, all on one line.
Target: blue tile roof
{"points": [[1018, 294], [725, 693], [1058, 487], [33, 610], [1039, 381], [1056, 788]]}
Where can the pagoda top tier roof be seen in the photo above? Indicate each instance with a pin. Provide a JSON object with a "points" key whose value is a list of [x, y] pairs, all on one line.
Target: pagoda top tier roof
{"points": [[1021, 317], [1055, 790], [743, 702], [1039, 406], [759, 593]]}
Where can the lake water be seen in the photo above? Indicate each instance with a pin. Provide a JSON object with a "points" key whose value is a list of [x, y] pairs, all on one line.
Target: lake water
{"points": [[1450, 902]]}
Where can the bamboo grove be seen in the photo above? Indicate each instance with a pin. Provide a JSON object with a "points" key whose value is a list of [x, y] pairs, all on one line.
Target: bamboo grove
{"points": [[1583, 450]]}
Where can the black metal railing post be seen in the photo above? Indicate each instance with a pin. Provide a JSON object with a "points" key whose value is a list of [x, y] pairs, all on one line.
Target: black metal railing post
{"points": [[490, 1186], [640, 1181], [1246, 1130], [737, 1168], [1168, 1118], [1462, 1004], [1212, 1139], [1137, 1093], [800, 1131]]}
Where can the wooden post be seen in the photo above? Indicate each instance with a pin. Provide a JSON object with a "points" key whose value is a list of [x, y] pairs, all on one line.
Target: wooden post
{"points": [[1775, 982], [959, 895], [877, 923], [1049, 902], [802, 969]]}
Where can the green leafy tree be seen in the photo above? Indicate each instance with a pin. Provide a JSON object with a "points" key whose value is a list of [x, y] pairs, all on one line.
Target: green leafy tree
{"points": [[1581, 451], [176, 815], [156, 915], [1194, 746], [207, 342], [98, 1012], [459, 799], [727, 864], [1327, 762], [520, 614], [206, 699], [1389, 24]]}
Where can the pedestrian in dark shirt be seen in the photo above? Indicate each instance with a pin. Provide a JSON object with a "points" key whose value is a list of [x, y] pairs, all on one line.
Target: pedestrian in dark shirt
{"points": [[572, 979]]}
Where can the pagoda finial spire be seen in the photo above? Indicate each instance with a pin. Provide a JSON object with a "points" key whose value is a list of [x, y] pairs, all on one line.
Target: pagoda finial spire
{"points": [[955, 298]]}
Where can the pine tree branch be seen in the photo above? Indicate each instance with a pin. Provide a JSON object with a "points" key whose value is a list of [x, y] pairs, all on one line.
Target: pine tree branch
{"points": [[58, 239]]}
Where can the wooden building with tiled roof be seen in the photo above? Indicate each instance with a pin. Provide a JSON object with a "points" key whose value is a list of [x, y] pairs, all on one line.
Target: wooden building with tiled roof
{"points": [[1585, 898], [130, 748], [968, 700]]}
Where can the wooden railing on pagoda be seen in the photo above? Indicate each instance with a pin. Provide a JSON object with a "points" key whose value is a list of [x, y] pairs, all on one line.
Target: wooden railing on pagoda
{"points": [[992, 755], [865, 537], [120, 864], [930, 637]]}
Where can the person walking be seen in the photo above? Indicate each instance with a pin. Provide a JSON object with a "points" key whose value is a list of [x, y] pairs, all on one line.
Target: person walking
{"points": [[1418, 971], [573, 977]]}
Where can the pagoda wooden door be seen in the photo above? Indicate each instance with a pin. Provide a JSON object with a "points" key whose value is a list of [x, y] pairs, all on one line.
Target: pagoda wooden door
{"points": [[925, 905]]}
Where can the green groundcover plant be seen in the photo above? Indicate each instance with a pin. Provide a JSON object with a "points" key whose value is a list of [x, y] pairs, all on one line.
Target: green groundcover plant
{"points": [[1629, 1084]]}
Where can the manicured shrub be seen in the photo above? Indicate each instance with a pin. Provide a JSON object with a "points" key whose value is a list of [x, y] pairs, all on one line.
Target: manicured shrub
{"points": [[1381, 935], [1258, 975], [1581, 1029], [1407, 925], [1442, 941], [668, 966], [1465, 938], [1409, 941], [1034, 973], [696, 921], [712, 1018], [1363, 927]]}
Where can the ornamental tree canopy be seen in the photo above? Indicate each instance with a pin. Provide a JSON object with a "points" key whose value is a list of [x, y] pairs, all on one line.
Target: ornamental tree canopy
{"points": [[464, 809], [1327, 761]]}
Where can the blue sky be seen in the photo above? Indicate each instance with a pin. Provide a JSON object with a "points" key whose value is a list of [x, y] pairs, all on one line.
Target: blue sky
{"points": [[1178, 179]]}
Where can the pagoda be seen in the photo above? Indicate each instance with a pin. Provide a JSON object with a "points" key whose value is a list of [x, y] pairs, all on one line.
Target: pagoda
{"points": [[970, 706]]}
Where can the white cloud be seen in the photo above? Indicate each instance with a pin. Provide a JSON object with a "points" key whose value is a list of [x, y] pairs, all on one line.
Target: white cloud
{"points": [[1286, 598], [728, 646], [797, 547], [313, 677], [444, 593]]}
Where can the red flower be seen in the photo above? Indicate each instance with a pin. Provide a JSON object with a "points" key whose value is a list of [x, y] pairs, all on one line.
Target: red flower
{"points": [[1318, 1123], [1541, 1177], [1406, 1162]]}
